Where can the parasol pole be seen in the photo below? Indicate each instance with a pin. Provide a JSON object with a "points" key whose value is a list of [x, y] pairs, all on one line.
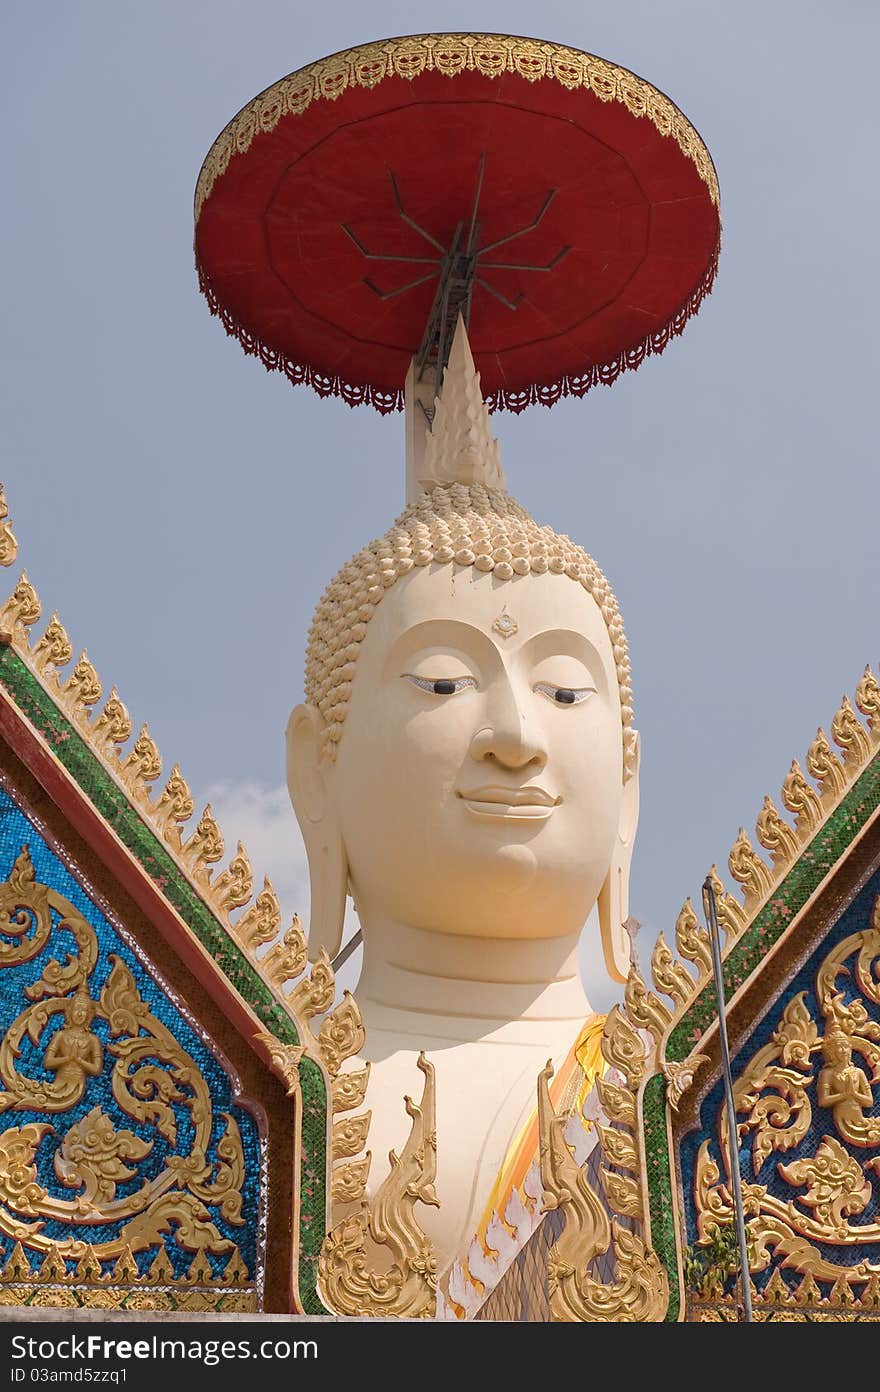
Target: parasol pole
{"points": [[351, 946], [710, 910]]}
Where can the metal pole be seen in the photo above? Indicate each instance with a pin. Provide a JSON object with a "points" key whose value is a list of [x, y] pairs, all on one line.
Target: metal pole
{"points": [[709, 908], [351, 946]]}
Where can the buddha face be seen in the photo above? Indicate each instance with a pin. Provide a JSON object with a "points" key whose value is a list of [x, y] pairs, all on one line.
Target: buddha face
{"points": [[478, 783]]}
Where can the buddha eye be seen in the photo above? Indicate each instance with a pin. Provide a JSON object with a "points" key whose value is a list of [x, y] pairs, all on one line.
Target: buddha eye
{"points": [[441, 686], [564, 695]]}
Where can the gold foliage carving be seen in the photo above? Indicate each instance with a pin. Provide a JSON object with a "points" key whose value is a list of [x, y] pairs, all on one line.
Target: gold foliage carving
{"points": [[204, 848], [53, 649], [747, 867], [618, 1103], [51, 1284], [142, 765], [8, 542], [619, 1147], [25, 913], [82, 690], [378, 1261], [868, 702], [342, 1034], [836, 1185], [314, 994], [285, 1060], [350, 1135], [623, 1193], [669, 976], [348, 1181], [623, 1048], [801, 798], [113, 726], [285, 960], [776, 1096], [175, 804], [680, 1077], [692, 940], [775, 834], [772, 1091], [93, 1157], [824, 765], [21, 611], [96, 1156], [849, 734], [644, 1008], [732, 917], [262, 920], [350, 1089], [341, 1037], [233, 888]]}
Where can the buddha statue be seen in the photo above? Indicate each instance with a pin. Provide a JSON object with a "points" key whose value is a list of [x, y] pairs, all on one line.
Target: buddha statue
{"points": [[466, 767]]}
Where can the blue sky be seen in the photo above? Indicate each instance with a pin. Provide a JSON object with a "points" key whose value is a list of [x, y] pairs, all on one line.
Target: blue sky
{"points": [[180, 506]]}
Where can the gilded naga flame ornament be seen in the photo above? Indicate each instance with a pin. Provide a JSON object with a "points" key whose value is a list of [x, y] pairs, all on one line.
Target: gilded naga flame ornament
{"points": [[353, 1281]]}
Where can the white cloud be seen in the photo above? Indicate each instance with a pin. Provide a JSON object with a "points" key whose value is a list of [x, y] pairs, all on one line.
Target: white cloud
{"points": [[261, 817]]}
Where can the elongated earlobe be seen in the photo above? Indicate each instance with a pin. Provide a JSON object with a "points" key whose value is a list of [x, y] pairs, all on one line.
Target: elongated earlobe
{"points": [[613, 903], [328, 866]]}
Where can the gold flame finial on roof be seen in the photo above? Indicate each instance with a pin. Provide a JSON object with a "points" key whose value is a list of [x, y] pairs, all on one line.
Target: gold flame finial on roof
{"points": [[8, 543]]}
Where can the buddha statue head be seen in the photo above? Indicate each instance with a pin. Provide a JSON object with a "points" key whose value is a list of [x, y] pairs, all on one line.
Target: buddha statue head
{"points": [[465, 762]]}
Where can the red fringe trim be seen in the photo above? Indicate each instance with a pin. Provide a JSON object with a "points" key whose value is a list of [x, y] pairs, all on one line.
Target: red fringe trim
{"points": [[505, 399]]}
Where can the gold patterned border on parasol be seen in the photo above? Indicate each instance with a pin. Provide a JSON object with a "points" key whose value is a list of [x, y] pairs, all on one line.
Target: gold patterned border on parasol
{"points": [[450, 54]]}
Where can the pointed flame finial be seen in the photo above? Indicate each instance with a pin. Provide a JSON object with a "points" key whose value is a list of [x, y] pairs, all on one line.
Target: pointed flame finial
{"points": [[8, 543], [460, 448]]}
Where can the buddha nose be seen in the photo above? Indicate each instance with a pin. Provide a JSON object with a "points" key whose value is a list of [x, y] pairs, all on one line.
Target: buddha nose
{"points": [[512, 738]]}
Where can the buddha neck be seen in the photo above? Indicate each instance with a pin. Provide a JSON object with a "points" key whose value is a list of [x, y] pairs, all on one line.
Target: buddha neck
{"points": [[444, 985]]}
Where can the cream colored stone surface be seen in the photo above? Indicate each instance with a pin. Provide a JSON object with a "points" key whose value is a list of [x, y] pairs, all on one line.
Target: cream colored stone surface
{"points": [[476, 826]]}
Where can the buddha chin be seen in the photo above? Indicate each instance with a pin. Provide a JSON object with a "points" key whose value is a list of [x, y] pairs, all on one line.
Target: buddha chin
{"points": [[471, 779]]}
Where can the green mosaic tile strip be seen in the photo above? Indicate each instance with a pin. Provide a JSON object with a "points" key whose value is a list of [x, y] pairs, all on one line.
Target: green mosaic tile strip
{"points": [[657, 1163], [808, 872], [113, 805]]}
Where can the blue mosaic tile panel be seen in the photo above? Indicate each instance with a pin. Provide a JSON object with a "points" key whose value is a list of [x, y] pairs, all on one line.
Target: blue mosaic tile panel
{"points": [[119, 1127], [809, 1111]]}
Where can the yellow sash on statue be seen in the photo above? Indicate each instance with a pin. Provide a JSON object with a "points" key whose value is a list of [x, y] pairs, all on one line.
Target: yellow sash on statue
{"points": [[569, 1089]]}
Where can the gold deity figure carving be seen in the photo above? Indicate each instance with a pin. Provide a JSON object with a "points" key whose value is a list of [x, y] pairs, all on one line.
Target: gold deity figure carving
{"points": [[74, 1053], [843, 1087], [465, 765]]}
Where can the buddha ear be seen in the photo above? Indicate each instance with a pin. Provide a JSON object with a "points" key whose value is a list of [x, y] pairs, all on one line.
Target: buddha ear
{"points": [[308, 784], [614, 896]]}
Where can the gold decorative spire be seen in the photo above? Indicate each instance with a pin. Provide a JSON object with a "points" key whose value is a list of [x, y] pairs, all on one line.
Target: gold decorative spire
{"points": [[460, 447]]}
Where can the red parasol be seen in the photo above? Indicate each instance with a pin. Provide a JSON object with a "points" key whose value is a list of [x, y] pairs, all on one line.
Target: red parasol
{"points": [[565, 206]]}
